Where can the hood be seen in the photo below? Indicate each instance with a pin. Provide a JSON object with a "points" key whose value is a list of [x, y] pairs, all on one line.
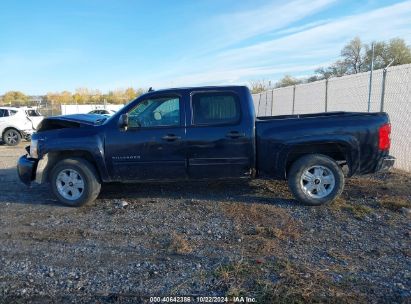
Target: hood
{"points": [[70, 121]]}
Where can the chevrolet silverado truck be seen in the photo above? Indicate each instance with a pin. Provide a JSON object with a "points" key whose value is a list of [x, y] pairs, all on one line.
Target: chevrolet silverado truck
{"points": [[204, 133]]}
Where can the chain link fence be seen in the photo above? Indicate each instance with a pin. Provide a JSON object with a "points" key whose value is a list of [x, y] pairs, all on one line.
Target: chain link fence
{"points": [[50, 109], [390, 92]]}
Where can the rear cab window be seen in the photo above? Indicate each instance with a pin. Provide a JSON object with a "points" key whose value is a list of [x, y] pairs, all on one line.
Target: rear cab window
{"points": [[215, 108]]}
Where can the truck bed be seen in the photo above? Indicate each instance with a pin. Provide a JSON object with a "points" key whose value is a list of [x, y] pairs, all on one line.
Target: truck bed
{"points": [[350, 136]]}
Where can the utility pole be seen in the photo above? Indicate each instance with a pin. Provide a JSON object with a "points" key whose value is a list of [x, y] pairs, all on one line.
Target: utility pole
{"points": [[371, 70]]}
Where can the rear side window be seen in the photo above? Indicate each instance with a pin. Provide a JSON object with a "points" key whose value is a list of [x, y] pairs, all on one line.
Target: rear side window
{"points": [[12, 112], [215, 108]]}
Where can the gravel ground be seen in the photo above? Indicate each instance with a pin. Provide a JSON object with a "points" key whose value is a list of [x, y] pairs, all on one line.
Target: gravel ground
{"points": [[243, 238]]}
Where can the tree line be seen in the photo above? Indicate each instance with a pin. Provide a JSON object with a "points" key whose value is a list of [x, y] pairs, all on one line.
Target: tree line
{"points": [[355, 57], [80, 96]]}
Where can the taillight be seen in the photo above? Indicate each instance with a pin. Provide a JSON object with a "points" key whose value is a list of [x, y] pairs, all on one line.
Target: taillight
{"points": [[384, 140]]}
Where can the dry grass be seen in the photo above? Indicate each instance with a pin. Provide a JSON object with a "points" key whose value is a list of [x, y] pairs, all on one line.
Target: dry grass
{"points": [[355, 209], [391, 190], [358, 211], [280, 281], [394, 203], [263, 220], [178, 244], [263, 228]]}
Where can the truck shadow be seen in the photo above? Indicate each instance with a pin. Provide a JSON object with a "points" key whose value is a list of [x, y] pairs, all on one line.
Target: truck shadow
{"points": [[243, 191], [14, 192]]}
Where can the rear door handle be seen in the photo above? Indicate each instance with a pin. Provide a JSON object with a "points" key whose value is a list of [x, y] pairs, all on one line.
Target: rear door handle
{"points": [[170, 137], [235, 134]]}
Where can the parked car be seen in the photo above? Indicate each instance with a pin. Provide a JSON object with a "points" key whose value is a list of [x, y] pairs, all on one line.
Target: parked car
{"points": [[205, 133], [18, 123], [103, 112]]}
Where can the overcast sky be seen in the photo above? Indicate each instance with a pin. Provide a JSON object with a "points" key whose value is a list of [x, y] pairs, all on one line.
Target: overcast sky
{"points": [[63, 45]]}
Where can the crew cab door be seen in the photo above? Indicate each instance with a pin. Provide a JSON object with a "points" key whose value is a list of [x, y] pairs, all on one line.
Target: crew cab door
{"points": [[219, 142], [152, 146]]}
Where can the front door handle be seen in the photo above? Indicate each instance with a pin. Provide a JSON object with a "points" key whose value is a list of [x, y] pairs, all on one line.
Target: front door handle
{"points": [[235, 134], [170, 137]]}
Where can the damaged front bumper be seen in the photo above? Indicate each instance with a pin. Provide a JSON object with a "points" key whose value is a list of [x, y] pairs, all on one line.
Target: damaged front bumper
{"points": [[26, 169], [31, 169]]}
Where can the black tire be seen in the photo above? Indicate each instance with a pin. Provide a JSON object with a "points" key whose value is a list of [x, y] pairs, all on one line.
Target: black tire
{"points": [[11, 137], [86, 173], [325, 187]]}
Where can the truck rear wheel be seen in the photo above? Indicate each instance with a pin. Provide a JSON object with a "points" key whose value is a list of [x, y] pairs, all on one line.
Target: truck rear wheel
{"points": [[74, 181], [315, 179]]}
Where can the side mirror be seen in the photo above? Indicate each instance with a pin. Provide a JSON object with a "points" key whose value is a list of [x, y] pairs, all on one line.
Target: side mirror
{"points": [[123, 121]]}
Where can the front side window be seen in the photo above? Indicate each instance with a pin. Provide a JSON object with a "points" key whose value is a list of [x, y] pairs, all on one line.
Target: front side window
{"points": [[2, 112], [156, 112], [215, 108]]}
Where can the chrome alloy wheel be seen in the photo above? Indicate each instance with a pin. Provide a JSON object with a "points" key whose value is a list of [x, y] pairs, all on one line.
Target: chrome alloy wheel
{"points": [[317, 181], [70, 184]]}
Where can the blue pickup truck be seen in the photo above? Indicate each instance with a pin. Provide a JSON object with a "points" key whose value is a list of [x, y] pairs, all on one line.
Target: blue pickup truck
{"points": [[204, 133]]}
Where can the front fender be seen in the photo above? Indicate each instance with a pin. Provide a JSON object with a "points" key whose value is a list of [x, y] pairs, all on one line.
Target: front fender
{"points": [[92, 148]]}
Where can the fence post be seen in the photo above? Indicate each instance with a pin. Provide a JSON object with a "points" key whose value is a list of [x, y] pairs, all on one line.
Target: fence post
{"points": [[384, 75], [272, 102], [259, 101], [371, 71], [266, 101], [326, 95], [293, 100]]}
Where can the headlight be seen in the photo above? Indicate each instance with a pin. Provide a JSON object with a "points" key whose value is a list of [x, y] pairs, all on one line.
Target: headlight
{"points": [[34, 153]]}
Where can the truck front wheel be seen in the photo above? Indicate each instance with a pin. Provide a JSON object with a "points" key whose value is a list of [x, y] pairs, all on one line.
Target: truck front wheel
{"points": [[74, 181], [315, 179]]}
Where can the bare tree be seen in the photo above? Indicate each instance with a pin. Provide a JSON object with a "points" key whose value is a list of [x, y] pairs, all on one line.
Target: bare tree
{"points": [[353, 56], [258, 86], [286, 81]]}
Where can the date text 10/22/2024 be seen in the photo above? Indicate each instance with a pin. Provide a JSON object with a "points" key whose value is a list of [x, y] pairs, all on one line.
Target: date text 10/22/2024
{"points": [[202, 299]]}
